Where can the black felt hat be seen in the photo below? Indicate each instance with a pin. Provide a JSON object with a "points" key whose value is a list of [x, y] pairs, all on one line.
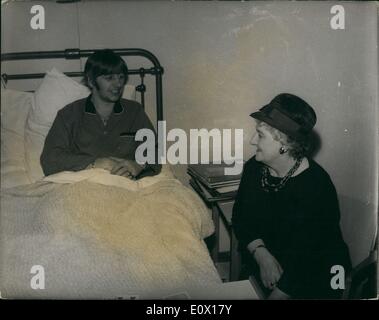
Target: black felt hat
{"points": [[289, 114]]}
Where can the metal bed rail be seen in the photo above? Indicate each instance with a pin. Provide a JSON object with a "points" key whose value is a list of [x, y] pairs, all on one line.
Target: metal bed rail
{"points": [[72, 54]]}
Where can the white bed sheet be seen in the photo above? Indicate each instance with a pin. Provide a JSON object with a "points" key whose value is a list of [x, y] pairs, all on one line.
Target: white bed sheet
{"points": [[102, 236]]}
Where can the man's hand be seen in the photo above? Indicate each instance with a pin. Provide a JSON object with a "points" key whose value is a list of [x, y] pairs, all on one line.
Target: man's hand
{"points": [[126, 168], [105, 163], [270, 269], [121, 167]]}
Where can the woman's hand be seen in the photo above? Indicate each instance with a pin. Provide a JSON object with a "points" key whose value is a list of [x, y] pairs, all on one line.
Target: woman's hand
{"points": [[270, 269]]}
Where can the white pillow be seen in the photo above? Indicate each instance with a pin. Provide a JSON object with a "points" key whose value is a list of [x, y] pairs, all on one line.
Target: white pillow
{"points": [[55, 92], [34, 142], [15, 106]]}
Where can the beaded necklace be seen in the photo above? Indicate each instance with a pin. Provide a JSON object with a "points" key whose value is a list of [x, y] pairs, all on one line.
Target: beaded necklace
{"points": [[275, 187]]}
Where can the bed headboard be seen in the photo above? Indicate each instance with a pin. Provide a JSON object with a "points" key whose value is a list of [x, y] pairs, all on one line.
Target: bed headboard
{"points": [[70, 54]]}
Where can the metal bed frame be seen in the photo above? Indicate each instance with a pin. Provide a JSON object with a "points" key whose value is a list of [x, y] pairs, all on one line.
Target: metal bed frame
{"points": [[71, 54]]}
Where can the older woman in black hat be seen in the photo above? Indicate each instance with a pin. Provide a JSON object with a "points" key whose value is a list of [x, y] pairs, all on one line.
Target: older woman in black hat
{"points": [[286, 214]]}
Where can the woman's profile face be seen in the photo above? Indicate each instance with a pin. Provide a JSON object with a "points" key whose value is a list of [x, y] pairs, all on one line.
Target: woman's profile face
{"points": [[267, 146]]}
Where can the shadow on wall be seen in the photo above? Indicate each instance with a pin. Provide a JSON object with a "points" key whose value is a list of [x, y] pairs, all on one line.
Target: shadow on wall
{"points": [[359, 226], [358, 219], [315, 144]]}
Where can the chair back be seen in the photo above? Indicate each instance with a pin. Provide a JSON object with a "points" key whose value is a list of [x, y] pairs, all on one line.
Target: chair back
{"points": [[361, 283]]}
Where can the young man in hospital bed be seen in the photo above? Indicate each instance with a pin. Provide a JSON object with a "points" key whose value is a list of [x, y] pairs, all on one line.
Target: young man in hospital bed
{"points": [[99, 131]]}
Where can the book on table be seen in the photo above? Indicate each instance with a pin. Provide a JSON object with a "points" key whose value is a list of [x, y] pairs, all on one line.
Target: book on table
{"points": [[213, 173], [227, 189], [209, 194], [212, 180]]}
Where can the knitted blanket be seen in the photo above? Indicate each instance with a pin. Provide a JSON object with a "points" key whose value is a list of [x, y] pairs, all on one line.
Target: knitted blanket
{"points": [[100, 236]]}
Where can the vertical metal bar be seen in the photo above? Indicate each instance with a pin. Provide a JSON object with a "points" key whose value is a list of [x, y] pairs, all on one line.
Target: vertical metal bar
{"points": [[143, 99], [216, 221], [159, 103], [235, 258]]}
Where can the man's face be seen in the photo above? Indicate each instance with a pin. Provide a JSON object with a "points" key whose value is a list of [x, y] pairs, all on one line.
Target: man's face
{"points": [[109, 88]]}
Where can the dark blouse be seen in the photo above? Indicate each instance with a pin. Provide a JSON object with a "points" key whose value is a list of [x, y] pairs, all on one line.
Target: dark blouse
{"points": [[299, 225]]}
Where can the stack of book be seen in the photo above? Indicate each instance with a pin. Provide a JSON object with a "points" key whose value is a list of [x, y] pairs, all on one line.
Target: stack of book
{"points": [[210, 179]]}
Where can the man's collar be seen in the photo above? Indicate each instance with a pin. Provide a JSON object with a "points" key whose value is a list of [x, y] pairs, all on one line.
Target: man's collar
{"points": [[90, 108]]}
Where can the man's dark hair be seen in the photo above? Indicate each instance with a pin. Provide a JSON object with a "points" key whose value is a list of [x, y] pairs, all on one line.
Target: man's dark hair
{"points": [[103, 62]]}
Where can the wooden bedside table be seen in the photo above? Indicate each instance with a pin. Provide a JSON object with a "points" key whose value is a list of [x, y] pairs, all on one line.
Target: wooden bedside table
{"points": [[225, 209], [222, 209]]}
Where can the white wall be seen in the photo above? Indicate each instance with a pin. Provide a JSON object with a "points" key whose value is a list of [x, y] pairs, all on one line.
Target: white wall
{"points": [[223, 60], [17, 35]]}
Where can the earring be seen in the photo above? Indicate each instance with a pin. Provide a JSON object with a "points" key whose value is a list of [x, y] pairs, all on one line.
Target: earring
{"points": [[282, 150]]}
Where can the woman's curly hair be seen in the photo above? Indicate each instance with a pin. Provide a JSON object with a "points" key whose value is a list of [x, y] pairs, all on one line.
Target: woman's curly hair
{"points": [[297, 147]]}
